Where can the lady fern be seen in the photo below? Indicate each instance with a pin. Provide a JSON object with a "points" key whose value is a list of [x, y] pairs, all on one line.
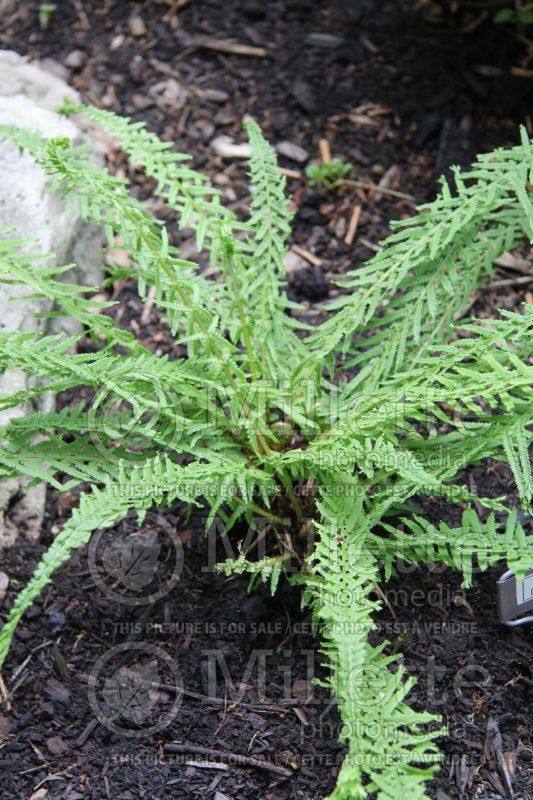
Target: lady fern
{"points": [[345, 422]]}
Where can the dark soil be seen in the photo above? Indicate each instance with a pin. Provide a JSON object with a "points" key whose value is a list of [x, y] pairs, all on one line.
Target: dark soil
{"points": [[402, 90]]}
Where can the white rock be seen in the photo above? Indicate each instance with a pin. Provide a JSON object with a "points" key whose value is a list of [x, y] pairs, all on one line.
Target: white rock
{"points": [[56, 68], [294, 263], [137, 26], [75, 59], [293, 151], [4, 583], [214, 95], [18, 76], [29, 207], [225, 147]]}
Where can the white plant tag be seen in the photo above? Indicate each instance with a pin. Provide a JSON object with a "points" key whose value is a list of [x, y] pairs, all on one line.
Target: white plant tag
{"points": [[524, 590], [515, 599]]}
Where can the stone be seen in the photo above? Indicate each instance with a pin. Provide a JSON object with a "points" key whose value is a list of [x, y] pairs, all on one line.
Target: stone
{"points": [[19, 77], [57, 746], [56, 68], [5, 726], [40, 794], [225, 147], [325, 40], [28, 98], [294, 263], [293, 152], [4, 583], [214, 95], [304, 94], [75, 59], [137, 26]]}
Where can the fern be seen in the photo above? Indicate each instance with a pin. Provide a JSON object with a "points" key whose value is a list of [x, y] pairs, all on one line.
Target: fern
{"points": [[391, 397], [390, 746]]}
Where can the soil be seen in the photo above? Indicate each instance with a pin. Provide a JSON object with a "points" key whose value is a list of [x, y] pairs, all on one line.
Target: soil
{"points": [[402, 91]]}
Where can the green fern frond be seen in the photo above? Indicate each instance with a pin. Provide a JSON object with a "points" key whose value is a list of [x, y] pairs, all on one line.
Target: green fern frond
{"points": [[426, 247], [268, 570], [390, 746], [186, 191], [421, 542], [389, 399]]}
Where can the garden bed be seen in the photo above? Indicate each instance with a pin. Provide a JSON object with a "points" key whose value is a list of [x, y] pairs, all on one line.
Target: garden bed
{"points": [[401, 94]]}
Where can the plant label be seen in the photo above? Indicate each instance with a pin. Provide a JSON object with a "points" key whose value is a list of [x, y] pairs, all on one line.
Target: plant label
{"points": [[515, 599]]}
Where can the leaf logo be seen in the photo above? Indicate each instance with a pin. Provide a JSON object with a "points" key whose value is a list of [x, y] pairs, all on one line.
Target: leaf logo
{"points": [[133, 559], [124, 689], [131, 691]]}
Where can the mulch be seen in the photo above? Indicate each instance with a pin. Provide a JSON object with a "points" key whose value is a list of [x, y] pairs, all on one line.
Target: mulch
{"points": [[402, 91]]}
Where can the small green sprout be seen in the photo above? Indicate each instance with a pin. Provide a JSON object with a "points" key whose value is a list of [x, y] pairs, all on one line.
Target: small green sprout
{"points": [[328, 174], [46, 12]]}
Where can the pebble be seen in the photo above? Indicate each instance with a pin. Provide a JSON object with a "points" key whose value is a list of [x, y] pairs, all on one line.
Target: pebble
{"points": [[293, 151], [55, 68], [56, 745], [5, 726], [304, 94], [294, 263], [40, 794], [117, 41], [4, 583], [340, 227], [205, 128], [326, 40], [75, 59], [137, 26], [225, 147], [214, 95]]}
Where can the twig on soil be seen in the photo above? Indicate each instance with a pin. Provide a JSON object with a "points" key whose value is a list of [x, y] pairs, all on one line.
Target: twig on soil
{"points": [[86, 734], [207, 765], [386, 181], [280, 708], [352, 227], [82, 15], [493, 752], [19, 669], [381, 594], [370, 245], [5, 694], [325, 151], [149, 304], [300, 251], [521, 72], [371, 185], [517, 264], [508, 282], [226, 46], [234, 758], [290, 173], [267, 708]]}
